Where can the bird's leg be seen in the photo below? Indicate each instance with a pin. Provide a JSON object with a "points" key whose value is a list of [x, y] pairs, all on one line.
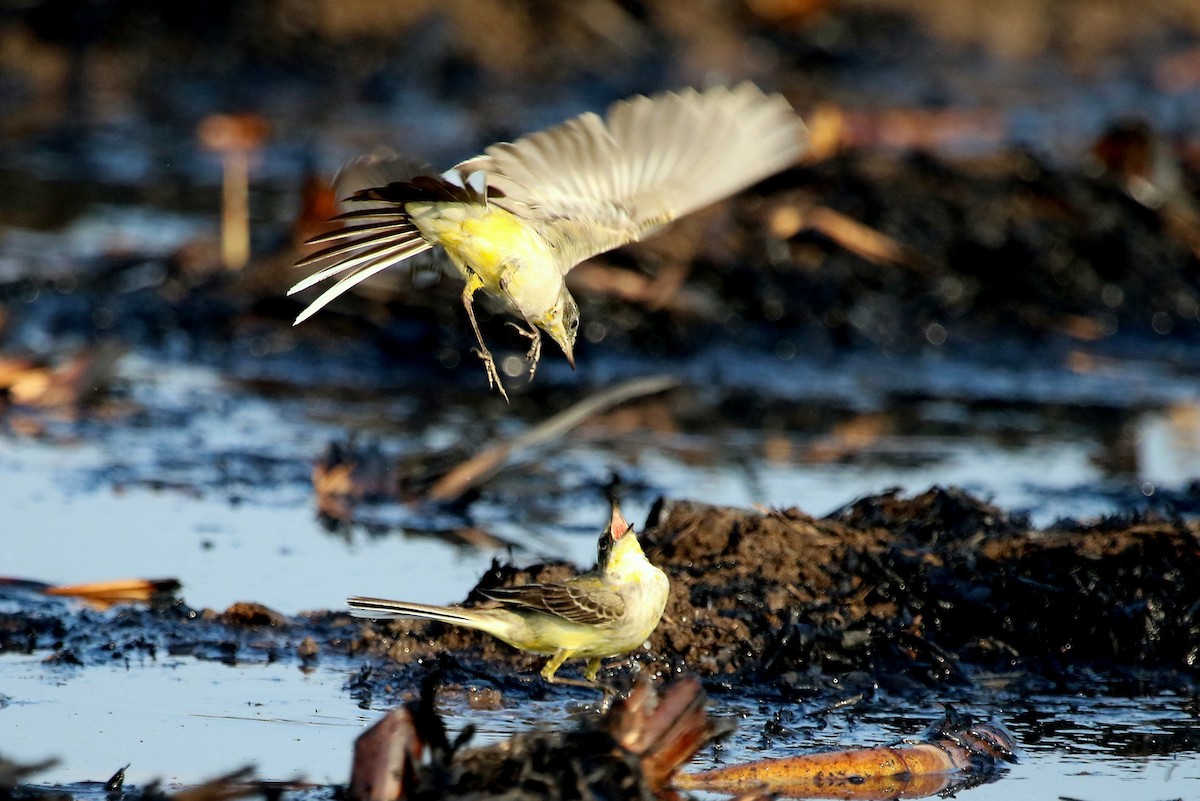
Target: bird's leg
{"points": [[554, 664], [534, 335], [535, 345], [474, 282]]}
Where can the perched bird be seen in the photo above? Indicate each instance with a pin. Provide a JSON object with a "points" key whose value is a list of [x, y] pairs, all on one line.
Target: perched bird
{"points": [[515, 220], [609, 611]]}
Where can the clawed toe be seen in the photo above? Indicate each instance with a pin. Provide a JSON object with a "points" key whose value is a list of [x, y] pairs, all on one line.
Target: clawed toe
{"points": [[535, 346], [489, 366]]}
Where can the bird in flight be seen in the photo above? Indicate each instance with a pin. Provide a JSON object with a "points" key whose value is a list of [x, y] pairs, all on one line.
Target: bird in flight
{"points": [[515, 220]]}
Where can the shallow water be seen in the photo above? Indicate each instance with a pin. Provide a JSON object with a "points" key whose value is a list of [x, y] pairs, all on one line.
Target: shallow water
{"points": [[177, 720]]}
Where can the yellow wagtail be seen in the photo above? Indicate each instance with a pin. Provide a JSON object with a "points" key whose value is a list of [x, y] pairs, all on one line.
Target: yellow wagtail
{"points": [[608, 611], [516, 219]]}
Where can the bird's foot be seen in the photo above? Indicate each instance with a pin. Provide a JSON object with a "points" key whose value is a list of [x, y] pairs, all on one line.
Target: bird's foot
{"points": [[591, 685], [589, 673], [535, 346], [489, 366]]}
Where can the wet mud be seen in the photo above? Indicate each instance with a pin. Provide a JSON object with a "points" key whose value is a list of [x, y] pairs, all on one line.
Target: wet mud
{"points": [[894, 594]]}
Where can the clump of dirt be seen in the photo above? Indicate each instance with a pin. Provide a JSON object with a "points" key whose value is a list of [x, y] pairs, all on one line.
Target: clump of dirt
{"points": [[940, 587], [894, 592]]}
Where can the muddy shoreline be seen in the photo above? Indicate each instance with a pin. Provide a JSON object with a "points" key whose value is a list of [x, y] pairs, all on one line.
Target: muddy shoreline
{"points": [[891, 594]]}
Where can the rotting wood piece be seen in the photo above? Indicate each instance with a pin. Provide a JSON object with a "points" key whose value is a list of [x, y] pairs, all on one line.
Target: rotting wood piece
{"points": [[955, 753]]}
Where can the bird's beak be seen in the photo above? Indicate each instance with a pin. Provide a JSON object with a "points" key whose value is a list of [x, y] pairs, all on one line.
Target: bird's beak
{"points": [[568, 348], [619, 526], [559, 334]]}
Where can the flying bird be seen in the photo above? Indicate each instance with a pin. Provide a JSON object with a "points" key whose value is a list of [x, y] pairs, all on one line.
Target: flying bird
{"points": [[515, 220]]}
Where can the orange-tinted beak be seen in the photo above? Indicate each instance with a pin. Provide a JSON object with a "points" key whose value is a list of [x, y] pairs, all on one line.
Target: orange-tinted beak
{"points": [[619, 525]]}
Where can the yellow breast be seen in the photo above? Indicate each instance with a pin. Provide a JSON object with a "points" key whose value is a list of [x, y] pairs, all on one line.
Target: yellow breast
{"points": [[479, 239]]}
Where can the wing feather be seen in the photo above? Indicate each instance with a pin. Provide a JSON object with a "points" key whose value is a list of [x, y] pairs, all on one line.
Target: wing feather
{"points": [[590, 185], [363, 248], [583, 602], [387, 224]]}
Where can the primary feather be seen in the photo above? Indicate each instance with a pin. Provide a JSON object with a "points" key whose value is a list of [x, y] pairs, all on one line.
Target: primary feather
{"points": [[591, 185]]}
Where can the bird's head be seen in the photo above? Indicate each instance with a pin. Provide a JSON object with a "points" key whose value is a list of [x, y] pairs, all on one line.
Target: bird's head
{"points": [[561, 322]]}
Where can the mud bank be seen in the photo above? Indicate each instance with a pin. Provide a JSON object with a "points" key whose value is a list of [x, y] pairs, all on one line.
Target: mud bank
{"points": [[894, 593]]}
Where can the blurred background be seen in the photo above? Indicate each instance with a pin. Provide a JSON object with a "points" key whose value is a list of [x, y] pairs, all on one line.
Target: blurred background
{"points": [[985, 274]]}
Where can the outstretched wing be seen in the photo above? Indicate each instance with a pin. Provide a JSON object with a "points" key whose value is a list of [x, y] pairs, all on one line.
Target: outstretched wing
{"points": [[590, 185], [581, 601]]}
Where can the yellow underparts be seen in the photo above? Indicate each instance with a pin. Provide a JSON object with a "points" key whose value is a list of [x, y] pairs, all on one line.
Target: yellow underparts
{"points": [[495, 251], [483, 240]]}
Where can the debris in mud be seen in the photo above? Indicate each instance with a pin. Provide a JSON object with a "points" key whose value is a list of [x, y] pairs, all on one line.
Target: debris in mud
{"points": [[236, 137], [346, 475], [66, 383], [14, 773], [103, 594], [956, 753], [632, 751], [229, 787], [637, 749], [249, 615]]}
